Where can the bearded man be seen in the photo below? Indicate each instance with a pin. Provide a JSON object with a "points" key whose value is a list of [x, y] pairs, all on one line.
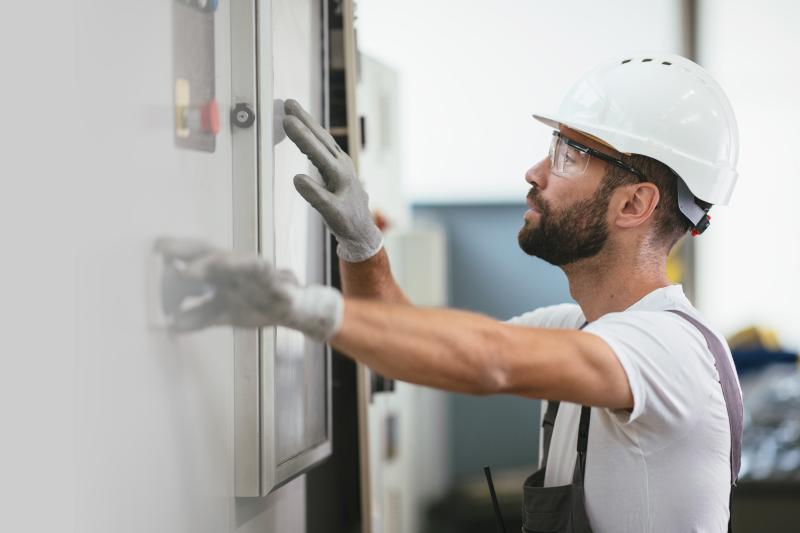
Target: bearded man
{"points": [[642, 430]]}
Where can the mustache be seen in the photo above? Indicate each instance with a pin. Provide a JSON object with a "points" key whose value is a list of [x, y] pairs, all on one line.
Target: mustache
{"points": [[533, 196]]}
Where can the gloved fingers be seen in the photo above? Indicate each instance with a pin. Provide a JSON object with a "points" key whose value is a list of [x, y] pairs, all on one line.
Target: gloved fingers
{"points": [[176, 287], [231, 270], [183, 249], [315, 194], [311, 146], [286, 276], [268, 294], [198, 269], [206, 314], [292, 107]]}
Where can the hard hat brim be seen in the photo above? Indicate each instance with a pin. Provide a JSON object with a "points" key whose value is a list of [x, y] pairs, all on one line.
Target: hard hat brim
{"points": [[716, 189]]}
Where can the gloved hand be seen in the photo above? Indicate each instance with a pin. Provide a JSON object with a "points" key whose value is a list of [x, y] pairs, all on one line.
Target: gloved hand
{"points": [[244, 290], [342, 201]]}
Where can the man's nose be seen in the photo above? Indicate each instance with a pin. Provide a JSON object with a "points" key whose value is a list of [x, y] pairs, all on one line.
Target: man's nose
{"points": [[538, 173]]}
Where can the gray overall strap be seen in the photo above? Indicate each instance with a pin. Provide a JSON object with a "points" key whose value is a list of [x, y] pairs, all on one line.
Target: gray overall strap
{"points": [[730, 390], [583, 436], [578, 473], [548, 422]]}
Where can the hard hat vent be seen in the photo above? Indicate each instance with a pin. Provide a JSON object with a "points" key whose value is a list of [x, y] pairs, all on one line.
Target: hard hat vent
{"points": [[647, 60]]}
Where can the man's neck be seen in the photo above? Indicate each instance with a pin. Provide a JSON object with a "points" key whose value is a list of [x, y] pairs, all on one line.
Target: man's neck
{"points": [[604, 285]]}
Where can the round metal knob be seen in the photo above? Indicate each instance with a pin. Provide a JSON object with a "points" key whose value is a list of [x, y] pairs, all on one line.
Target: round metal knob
{"points": [[242, 116]]}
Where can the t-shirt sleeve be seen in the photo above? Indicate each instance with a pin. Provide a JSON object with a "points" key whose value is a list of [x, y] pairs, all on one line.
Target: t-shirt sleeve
{"points": [[668, 365], [553, 316]]}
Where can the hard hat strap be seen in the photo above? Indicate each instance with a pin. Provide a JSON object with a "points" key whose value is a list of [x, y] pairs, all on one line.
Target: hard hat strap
{"points": [[697, 214]]}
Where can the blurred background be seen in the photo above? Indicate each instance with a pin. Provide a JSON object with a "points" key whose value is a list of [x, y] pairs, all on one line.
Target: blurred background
{"points": [[125, 121], [449, 90]]}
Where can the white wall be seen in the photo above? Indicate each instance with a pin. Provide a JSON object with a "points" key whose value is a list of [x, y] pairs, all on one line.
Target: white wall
{"points": [[472, 72], [749, 261], [106, 424]]}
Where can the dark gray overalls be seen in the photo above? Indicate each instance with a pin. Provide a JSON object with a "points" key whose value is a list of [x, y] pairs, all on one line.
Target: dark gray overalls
{"points": [[562, 509]]}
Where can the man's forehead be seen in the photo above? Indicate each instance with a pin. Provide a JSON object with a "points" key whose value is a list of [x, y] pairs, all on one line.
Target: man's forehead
{"points": [[589, 140]]}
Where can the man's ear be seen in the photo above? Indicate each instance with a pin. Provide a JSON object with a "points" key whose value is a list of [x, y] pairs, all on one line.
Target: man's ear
{"points": [[636, 204]]}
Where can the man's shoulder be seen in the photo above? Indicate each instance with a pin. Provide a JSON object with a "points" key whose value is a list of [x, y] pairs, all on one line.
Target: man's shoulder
{"points": [[566, 315], [666, 317], [661, 313], [662, 326], [658, 339]]}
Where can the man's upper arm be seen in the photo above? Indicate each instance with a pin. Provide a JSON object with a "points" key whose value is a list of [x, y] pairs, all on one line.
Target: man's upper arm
{"points": [[588, 369], [569, 365]]}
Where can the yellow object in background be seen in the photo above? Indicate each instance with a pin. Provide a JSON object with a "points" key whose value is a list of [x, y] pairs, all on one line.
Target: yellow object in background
{"points": [[675, 263], [754, 337]]}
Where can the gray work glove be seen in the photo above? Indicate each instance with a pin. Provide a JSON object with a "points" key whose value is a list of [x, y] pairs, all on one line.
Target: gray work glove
{"points": [[342, 201], [212, 287]]}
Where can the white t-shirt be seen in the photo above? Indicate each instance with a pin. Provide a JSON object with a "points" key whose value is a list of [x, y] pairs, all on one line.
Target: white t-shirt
{"points": [[663, 467]]}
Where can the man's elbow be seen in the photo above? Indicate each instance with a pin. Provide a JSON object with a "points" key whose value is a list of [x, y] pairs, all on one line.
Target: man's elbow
{"points": [[495, 375], [492, 381]]}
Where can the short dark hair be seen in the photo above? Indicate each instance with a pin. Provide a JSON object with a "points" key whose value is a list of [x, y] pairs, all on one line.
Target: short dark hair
{"points": [[670, 223]]}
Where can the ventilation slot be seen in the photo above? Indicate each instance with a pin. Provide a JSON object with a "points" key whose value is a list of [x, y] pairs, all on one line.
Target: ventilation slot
{"points": [[625, 61], [647, 60], [666, 63]]}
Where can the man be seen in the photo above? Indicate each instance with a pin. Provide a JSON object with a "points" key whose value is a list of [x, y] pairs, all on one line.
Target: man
{"points": [[641, 149]]}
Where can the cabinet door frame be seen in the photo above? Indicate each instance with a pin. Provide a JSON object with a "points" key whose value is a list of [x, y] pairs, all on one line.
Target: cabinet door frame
{"points": [[257, 469]]}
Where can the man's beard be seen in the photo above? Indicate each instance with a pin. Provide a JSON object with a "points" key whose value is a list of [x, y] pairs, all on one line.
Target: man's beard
{"points": [[564, 236]]}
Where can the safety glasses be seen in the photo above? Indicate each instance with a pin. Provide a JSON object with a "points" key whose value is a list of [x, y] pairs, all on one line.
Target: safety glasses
{"points": [[570, 159]]}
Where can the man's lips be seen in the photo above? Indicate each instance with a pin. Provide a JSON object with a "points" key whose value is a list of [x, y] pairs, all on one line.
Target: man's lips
{"points": [[532, 204]]}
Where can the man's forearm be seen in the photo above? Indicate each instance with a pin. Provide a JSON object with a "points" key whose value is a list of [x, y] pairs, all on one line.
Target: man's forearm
{"points": [[371, 279], [467, 352], [440, 348]]}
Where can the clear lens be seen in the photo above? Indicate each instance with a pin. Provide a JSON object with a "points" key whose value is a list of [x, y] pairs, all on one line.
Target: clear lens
{"points": [[565, 160]]}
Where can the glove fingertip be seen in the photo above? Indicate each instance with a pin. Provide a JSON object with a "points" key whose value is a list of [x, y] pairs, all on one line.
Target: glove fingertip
{"points": [[308, 187], [290, 124], [290, 105], [301, 179]]}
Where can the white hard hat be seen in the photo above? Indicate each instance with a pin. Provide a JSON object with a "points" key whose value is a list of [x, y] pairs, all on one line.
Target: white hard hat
{"points": [[665, 107]]}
